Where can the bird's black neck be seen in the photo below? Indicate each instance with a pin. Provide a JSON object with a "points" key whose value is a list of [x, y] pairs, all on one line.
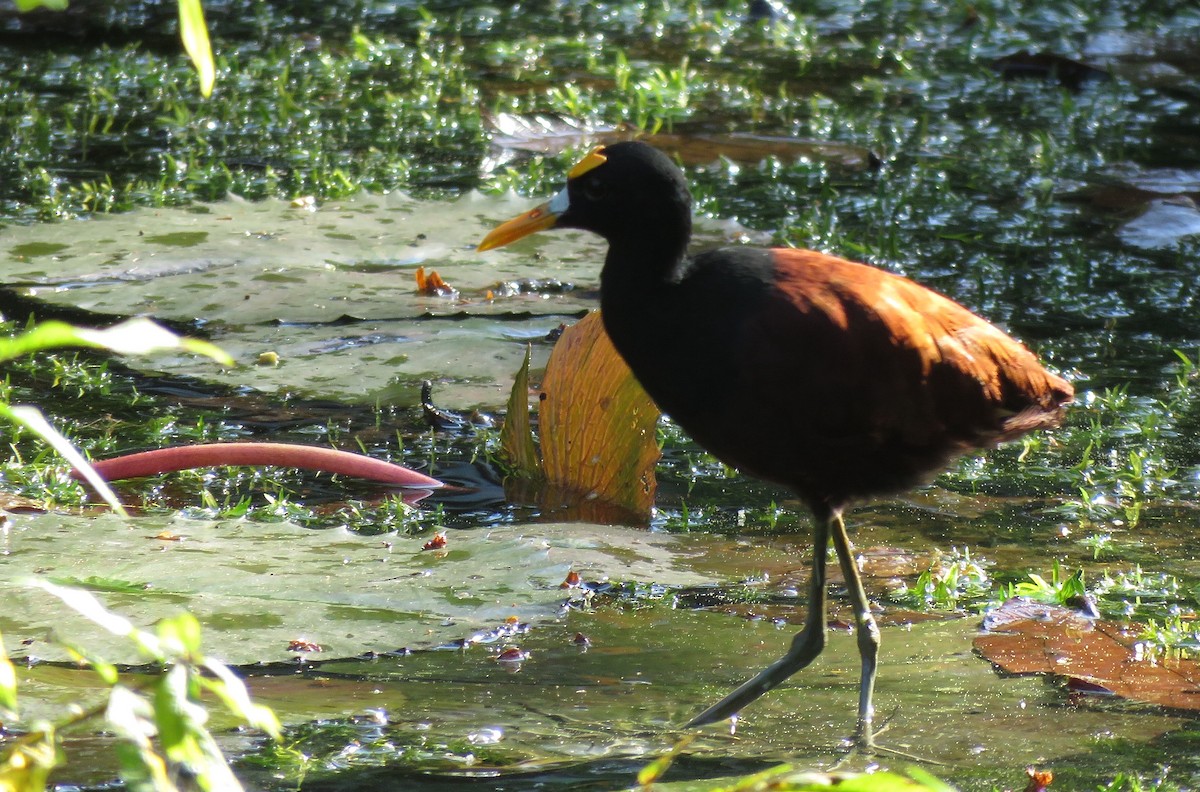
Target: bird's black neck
{"points": [[656, 257]]}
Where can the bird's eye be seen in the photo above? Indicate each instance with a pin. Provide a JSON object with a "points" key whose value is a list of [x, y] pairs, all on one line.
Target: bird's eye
{"points": [[594, 190]]}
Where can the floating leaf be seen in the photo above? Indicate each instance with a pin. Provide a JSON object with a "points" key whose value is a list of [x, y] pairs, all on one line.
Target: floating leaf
{"points": [[597, 424], [701, 149], [11, 502], [1050, 639], [97, 583]]}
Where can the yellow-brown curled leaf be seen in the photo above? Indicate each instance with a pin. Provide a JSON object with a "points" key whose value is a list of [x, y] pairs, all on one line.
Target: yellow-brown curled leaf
{"points": [[596, 423], [517, 448]]}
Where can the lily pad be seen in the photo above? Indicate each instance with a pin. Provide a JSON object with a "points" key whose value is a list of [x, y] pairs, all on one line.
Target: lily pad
{"points": [[257, 587], [330, 294]]}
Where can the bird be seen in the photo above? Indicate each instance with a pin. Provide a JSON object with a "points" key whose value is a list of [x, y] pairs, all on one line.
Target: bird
{"points": [[835, 379]]}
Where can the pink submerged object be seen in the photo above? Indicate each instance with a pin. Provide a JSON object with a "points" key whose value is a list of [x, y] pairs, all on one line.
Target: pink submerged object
{"points": [[325, 460]]}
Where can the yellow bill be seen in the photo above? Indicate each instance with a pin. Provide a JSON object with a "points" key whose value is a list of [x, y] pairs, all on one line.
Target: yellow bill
{"points": [[537, 219], [594, 159], [545, 216]]}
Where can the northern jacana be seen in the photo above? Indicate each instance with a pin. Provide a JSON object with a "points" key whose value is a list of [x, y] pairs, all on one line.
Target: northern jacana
{"points": [[836, 379]]}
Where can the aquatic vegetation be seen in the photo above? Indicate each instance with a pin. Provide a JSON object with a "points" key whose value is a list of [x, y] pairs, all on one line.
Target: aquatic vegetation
{"points": [[951, 579]]}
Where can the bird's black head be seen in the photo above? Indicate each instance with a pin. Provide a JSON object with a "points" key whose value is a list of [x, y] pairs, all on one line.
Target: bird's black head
{"points": [[630, 193]]}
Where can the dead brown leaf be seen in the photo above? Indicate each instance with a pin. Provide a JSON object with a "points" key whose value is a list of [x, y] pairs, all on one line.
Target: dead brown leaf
{"points": [[1039, 780], [1032, 638], [303, 645], [433, 285], [438, 542], [11, 502]]}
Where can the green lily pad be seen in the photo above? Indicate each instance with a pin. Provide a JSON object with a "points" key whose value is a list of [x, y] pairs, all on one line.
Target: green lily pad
{"points": [[257, 587], [331, 292]]}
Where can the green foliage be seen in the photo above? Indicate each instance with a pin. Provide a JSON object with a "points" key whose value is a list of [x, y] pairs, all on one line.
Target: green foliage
{"points": [[1118, 454], [135, 336], [1060, 589], [26, 763], [174, 716], [1123, 464], [192, 30], [29, 5], [787, 778], [951, 578], [164, 726], [321, 125], [1164, 604], [1132, 782], [8, 684], [653, 771]]}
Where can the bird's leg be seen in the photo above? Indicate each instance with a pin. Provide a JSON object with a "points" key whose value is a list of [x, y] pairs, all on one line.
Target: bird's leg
{"points": [[866, 629], [805, 647]]}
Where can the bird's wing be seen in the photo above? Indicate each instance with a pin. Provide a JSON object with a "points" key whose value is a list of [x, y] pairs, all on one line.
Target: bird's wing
{"points": [[877, 352]]}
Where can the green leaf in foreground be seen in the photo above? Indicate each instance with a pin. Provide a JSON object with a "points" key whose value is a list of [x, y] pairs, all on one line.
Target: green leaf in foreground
{"points": [[169, 709], [29, 5], [27, 764], [786, 778], [8, 682], [138, 336], [194, 33], [33, 420], [653, 771]]}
